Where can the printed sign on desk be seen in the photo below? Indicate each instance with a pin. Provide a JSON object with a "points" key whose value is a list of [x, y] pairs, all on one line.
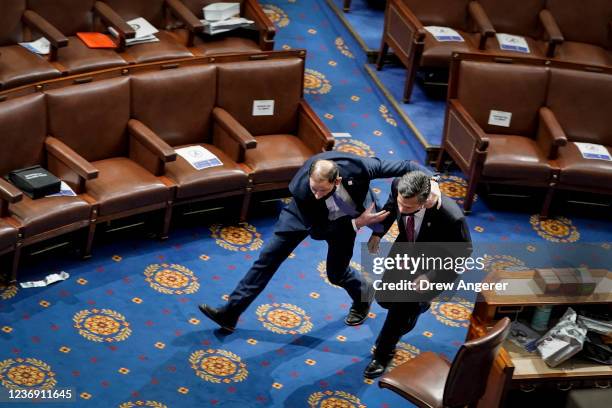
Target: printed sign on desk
{"points": [[444, 34], [263, 107], [199, 157], [500, 118], [508, 42], [593, 151]]}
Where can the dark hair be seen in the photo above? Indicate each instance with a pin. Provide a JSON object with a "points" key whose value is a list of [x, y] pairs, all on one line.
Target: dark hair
{"points": [[415, 184], [324, 170]]}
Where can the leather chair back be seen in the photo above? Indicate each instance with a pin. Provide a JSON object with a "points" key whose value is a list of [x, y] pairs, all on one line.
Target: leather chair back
{"points": [[469, 372], [518, 89], [583, 21], [196, 6], [11, 30], [447, 13], [512, 17], [245, 82], [68, 16], [92, 118], [582, 103], [23, 126], [176, 103], [150, 10]]}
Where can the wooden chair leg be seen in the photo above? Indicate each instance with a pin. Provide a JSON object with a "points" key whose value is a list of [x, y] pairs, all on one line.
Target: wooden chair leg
{"points": [[547, 202], [409, 84], [166, 222], [90, 234], [246, 202], [440, 161], [471, 191], [382, 54], [347, 5], [15, 265]]}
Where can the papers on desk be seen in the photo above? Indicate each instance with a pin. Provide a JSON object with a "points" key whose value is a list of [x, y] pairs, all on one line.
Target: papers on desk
{"points": [[65, 191], [145, 32], [199, 157], [41, 46], [444, 34], [217, 27], [508, 42], [49, 279], [593, 151]]}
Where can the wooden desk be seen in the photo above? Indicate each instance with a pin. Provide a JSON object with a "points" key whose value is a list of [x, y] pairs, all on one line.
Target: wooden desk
{"points": [[514, 367]]}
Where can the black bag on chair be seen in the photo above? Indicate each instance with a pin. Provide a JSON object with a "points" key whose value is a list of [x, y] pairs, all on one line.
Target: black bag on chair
{"points": [[35, 181]]}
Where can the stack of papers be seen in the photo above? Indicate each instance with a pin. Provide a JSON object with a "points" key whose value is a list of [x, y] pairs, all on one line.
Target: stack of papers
{"points": [[232, 23], [199, 157], [145, 32], [65, 191], [40, 46], [593, 151], [444, 34], [508, 42]]}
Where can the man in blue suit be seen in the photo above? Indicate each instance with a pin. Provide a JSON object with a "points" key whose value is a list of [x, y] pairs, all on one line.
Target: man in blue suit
{"points": [[331, 201]]}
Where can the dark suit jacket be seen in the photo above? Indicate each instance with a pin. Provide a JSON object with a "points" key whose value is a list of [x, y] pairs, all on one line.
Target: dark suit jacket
{"points": [[444, 225], [305, 213]]}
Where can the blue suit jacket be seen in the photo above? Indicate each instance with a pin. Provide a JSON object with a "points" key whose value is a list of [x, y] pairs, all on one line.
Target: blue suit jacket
{"points": [[306, 213]]}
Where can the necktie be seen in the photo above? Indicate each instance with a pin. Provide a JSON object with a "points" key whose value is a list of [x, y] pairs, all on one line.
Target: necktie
{"points": [[410, 228], [344, 206]]}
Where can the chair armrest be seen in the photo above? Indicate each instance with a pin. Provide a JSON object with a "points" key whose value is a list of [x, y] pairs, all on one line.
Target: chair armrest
{"points": [[180, 11], [9, 192], [476, 132], [552, 30], [151, 141], [312, 131], [267, 31], [55, 37], [230, 136], [482, 21], [71, 159], [550, 133], [111, 18]]}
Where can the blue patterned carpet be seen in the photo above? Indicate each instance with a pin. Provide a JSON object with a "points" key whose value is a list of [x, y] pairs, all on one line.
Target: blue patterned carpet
{"points": [[124, 330]]}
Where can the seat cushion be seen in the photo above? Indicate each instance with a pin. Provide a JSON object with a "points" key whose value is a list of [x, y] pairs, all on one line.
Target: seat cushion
{"points": [[19, 66], [511, 156], [8, 236], [576, 170], [167, 48], [420, 380], [231, 42], [276, 158], [192, 183], [76, 57], [49, 213], [583, 53], [125, 185], [438, 54]]}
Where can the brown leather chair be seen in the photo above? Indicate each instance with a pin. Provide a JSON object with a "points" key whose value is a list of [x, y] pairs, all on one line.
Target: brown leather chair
{"points": [[585, 28], [91, 131], [179, 106], [581, 102], [241, 40], [518, 153], [9, 234], [23, 125], [431, 381], [67, 17], [287, 137], [153, 11], [415, 47], [506, 16], [18, 66]]}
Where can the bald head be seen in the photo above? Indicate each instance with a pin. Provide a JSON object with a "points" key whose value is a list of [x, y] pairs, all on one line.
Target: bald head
{"points": [[323, 177]]}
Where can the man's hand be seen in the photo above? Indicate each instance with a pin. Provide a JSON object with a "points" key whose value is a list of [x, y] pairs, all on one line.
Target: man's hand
{"points": [[374, 244], [369, 218], [434, 196]]}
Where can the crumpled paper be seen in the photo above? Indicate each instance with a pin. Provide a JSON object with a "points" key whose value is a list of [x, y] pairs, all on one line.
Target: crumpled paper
{"points": [[49, 279], [564, 340]]}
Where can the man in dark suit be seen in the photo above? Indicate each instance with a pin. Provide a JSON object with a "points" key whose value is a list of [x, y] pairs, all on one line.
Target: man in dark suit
{"points": [[416, 224], [331, 201]]}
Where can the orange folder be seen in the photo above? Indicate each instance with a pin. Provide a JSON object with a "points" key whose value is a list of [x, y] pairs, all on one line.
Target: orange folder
{"points": [[97, 40]]}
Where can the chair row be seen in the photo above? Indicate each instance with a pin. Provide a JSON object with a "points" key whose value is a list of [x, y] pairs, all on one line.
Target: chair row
{"points": [[178, 21], [519, 122], [113, 142], [566, 30]]}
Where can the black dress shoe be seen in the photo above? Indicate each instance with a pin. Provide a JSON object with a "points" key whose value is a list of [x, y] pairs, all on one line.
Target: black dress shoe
{"points": [[216, 316], [377, 366], [357, 314]]}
